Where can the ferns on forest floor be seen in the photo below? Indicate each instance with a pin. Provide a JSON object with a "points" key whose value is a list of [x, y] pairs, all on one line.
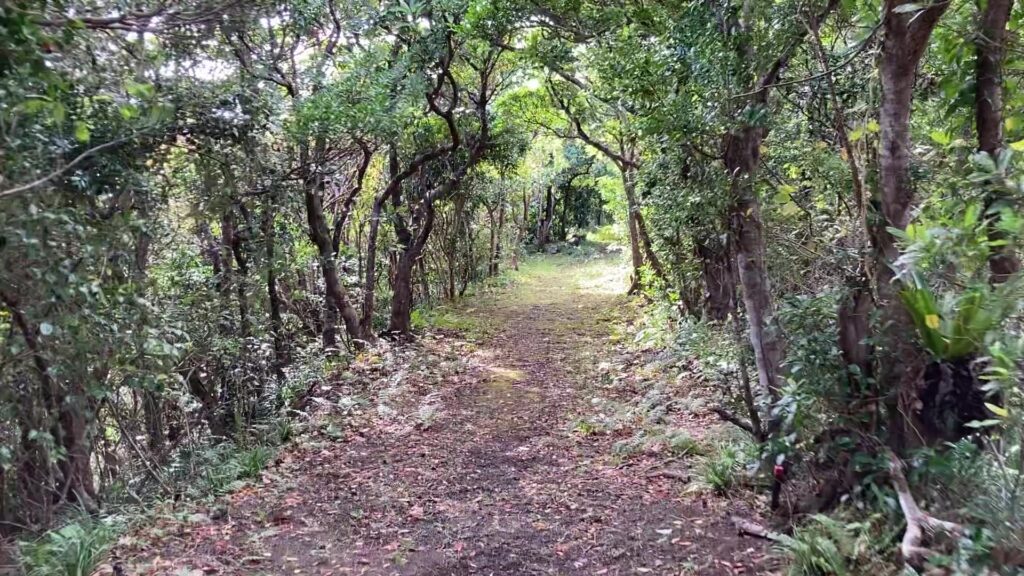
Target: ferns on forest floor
{"points": [[76, 549], [825, 546]]}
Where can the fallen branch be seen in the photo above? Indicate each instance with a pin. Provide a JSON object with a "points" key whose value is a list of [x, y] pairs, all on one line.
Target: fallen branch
{"points": [[746, 527], [918, 521]]}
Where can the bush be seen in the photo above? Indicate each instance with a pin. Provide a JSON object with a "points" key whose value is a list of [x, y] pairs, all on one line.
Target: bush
{"points": [[76, 549]]}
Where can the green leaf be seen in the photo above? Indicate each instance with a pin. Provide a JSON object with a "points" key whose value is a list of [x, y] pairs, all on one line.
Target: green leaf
{"points": [[997, 410], [940, 137], [1017, 146], [983, 423], [139, 89], [128, 111], [906, 8], [81, 131]]}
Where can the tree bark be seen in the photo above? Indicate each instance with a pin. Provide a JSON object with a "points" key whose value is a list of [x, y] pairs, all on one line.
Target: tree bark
{"points": [[901, 360], [400, 322], [273, 295], [544, 226], [742, 155], [629, 185], [71, 411], [496, 255], [988, 111], [648, 246], [320, 234], [718, 269]]}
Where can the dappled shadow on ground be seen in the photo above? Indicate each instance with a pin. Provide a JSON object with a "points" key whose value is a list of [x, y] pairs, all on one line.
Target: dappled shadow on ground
{"points": [[495, 483]]}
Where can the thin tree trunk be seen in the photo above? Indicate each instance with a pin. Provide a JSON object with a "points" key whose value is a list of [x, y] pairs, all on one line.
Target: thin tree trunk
{"points": [[629, 185], [544, 226], [649, 253], [854, 313], [320, 234], [742, 156], [718, 270], [496, 257], [273, 295]]}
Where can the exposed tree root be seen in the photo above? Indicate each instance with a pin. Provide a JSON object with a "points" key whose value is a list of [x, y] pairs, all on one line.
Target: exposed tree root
{"points": [[919, 523]]}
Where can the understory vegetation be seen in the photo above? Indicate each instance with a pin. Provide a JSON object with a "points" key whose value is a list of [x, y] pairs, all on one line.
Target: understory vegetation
{"points": [[215, 213]]}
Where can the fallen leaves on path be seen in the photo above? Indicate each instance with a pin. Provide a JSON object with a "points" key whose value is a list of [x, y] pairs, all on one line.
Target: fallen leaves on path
{"points": [[447, 456]]}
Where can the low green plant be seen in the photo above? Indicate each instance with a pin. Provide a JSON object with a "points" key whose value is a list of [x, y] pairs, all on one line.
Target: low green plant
{"points": [[252, 461], [721, 468], [682, 444], [825, 546], [75, 549]]}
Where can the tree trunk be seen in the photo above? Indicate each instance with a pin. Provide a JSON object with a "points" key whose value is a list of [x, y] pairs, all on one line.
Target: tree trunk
{"points": [[989, 46], [496, 255], [544, 226], [320, 234], [273, 295], [77, 413], [370, 284], [241, 257], [742, 156], [563, 229], [648, 246], [629, 185], [400, 322], [71, 411], [718, 269], [901, 360]]}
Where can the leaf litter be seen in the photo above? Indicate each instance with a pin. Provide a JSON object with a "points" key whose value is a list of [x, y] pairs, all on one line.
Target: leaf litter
{"points": [[450, 456]]}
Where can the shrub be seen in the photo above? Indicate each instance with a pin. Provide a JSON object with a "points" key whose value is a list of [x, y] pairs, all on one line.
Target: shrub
{"points": [[76, 549]]}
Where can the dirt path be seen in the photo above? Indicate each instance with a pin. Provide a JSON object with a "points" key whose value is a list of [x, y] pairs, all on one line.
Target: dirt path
{"points": [[490, 478]]}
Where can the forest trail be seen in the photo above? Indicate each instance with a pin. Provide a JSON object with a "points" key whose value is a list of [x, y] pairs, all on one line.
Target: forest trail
{"points": [[485, 475]]}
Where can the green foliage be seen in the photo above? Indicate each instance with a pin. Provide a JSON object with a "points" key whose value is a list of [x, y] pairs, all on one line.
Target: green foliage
{"points": [[823, 546], [722, 468], [956, 327], [252, 461], [75, 549]]}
